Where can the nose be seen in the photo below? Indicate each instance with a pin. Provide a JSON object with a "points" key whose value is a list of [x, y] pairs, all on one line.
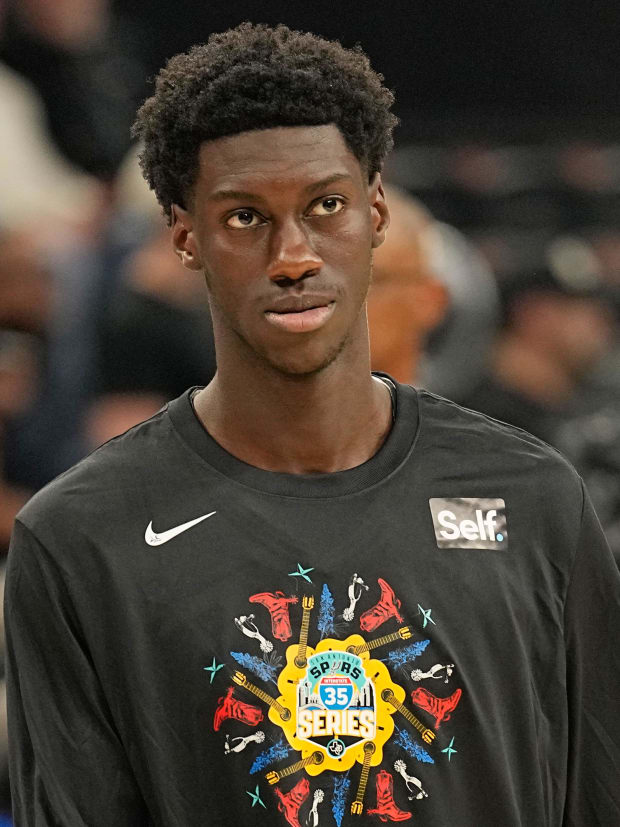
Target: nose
{"points": [[292, 256]]}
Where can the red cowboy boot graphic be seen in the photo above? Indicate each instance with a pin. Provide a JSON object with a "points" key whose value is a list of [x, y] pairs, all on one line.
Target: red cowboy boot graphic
{"points": [[386, 608], [386, 809], [229, 707], [291, 801], [439, 708], [277, 605]]}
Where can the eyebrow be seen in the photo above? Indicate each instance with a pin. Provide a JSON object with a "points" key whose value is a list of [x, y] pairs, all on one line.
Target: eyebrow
{"points": [[326, 182], [244, 195], [234, 195]]}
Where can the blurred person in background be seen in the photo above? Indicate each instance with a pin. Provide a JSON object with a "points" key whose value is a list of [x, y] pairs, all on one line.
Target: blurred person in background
{"points": [[154, 341], [51, 216], [18, 382], [51, 289], [154, 334], [98, 288], [46, 205], [36, 179], [86, 68], [559, 324], [406, 300], [18, 376], [430, 292], [605, 241]]}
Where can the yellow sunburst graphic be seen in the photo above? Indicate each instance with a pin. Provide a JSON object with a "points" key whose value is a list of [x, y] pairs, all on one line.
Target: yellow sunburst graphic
{"points": [[337, 697]]}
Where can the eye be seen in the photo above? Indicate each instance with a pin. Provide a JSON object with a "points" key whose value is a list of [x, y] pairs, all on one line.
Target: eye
{"points": [[327, 206], [241, 219]]}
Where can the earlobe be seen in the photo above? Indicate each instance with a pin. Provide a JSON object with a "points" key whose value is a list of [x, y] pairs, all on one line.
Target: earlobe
{"points": [[183, 240], [379, 210]]}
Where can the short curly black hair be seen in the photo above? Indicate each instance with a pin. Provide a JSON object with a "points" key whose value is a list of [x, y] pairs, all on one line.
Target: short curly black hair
{"points": [[258, 77]]}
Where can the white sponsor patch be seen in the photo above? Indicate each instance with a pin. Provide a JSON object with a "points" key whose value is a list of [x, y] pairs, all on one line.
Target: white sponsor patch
{"points": [[469, 522]]}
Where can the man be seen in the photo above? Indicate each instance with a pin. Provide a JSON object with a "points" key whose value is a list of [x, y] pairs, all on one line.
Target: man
{"points": [[184, 645], [406, 300], [428, 279], [559, 325]]}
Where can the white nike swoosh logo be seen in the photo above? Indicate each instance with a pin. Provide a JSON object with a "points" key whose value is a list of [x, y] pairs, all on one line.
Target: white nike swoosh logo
{"points": [[155, 539]]}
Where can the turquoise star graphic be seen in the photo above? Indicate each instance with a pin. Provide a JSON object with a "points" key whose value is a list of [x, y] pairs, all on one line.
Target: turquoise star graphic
{"points": [[427, 616], [214, 668], [449, 749], [255, 796], [301, 572]]}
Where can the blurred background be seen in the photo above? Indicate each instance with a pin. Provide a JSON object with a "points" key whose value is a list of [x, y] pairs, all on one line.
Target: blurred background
{"points": [[498, 287]]}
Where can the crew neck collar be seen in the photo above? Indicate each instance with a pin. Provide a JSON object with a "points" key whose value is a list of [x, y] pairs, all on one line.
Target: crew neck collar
{"points": [[395, 449]]}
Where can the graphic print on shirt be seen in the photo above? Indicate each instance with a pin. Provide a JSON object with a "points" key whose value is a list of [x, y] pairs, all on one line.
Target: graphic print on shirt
{"points": [[322, 709]]}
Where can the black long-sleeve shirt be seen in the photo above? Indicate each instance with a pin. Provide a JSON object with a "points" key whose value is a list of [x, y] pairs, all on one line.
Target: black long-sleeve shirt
{"points": [[460, 569]]}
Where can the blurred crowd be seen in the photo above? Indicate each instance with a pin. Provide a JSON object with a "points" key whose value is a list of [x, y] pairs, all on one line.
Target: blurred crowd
{"points": [[535, 340], [498, 286]]}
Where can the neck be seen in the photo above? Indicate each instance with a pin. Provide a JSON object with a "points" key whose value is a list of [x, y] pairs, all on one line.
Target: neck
{"points": [[535, 374], [330, 421]]}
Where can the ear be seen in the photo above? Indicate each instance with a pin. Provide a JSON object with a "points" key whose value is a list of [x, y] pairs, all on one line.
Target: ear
{"points": [[183, 239], [379, 210]]}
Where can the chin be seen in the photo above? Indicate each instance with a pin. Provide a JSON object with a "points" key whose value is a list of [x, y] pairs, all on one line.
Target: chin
{"points": [[304, 365], [300, 369]]}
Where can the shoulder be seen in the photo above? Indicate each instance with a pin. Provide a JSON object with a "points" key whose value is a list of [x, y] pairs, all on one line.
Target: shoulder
{"points": [[106, 482], [489, 447], [444, 415]]}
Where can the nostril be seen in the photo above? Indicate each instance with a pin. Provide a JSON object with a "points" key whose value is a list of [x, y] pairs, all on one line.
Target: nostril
{"points": [[286, 281]]}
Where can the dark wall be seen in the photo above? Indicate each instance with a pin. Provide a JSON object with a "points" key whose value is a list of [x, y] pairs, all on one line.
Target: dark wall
{"points": [[514, 61]]}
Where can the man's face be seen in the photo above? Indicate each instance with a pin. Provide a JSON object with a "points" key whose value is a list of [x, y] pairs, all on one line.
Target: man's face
{"points": [[283, 222]]}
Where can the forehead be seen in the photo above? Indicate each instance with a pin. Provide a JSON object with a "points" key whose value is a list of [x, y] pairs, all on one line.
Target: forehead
{"points": [[280, 157]]}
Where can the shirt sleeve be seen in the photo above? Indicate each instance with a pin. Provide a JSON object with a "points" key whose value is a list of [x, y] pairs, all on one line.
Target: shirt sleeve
{"points": [[592, 633], [67, 763]]}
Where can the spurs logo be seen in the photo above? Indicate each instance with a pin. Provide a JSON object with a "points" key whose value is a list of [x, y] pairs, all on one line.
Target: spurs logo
{"points": [[338, 704], [434, 672], [413, 784], [277, 605], [335, 702], [356, 589], [246, 624], [239, 744]]}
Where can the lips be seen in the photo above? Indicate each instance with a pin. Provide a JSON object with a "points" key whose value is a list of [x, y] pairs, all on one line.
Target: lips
{"points": [[300, 314], [297, 304]]}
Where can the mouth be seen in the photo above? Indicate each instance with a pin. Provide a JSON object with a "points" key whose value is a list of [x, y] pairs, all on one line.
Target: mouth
{"points": [[302, 315]]}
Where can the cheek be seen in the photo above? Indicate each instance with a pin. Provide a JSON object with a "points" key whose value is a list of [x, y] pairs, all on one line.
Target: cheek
{"points": [[226, 258], [229, 269], [348, 251]]}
